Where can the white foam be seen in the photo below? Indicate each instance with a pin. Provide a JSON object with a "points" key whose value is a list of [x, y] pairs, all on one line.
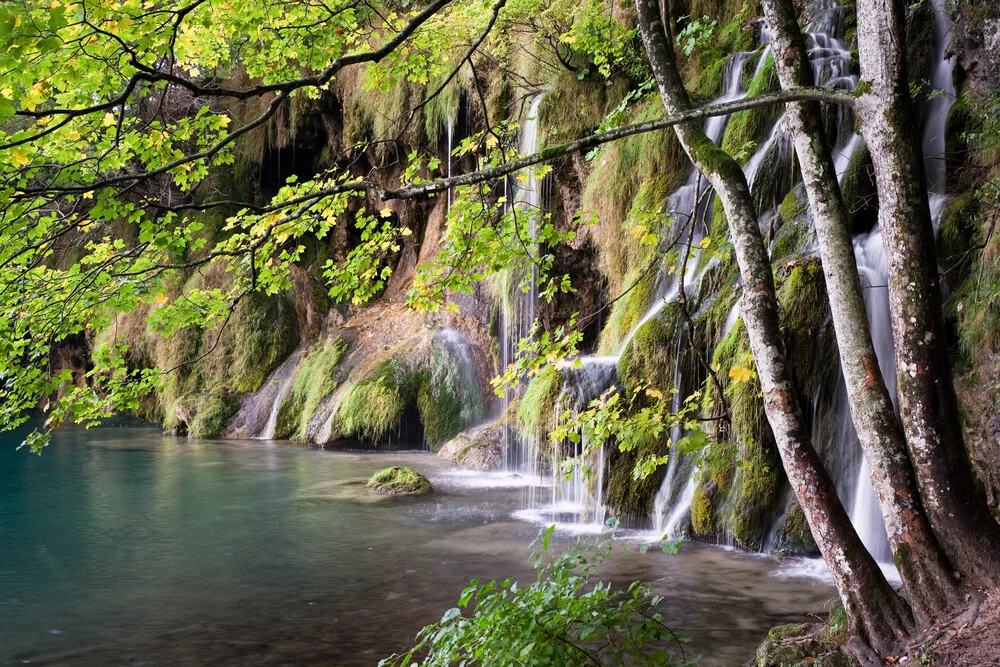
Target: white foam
{"points": [[815, 568]]}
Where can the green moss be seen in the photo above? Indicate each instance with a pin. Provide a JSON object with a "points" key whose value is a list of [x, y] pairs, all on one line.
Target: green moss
{"points": [[751, 467], [374, 406], [536, 412], [211, 412], [794, 534], [957, 229], [703, 506], [574, 107], [625, 496], [649, 356], [810, 346], [440, 413], [398, 481], [748, 128], [627, 311], [628, 186], [793, 205], [450, 396], [315, 379]]}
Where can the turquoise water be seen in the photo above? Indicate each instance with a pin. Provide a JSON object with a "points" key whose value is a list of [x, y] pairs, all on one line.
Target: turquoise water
{"points": [[121, 545]]}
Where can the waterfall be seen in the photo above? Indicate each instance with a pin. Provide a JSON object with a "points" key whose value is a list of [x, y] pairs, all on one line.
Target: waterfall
{"points": [[860, 497], [517, 308], [672, 506], [454, 366], [451, 140], [937, 107], [279, 383]]}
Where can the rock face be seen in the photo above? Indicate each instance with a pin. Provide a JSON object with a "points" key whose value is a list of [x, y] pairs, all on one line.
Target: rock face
{"points": [[479, 449], [399, 481]]}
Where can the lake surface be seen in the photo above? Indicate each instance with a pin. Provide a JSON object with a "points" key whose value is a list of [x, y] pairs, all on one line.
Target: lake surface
{"points": [[125, 546]]}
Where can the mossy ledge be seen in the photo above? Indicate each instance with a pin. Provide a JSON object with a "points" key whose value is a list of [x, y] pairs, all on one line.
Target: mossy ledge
{"points": [[399, 481]]}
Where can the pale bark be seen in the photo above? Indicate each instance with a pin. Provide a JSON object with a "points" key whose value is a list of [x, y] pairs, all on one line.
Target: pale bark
{"points": [[928, 577], [877, 614], [927, 402]]}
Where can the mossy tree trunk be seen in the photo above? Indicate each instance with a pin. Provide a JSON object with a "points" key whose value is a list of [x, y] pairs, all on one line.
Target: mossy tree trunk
{"points": [[878, 616], [927, 402], [926, 573]]}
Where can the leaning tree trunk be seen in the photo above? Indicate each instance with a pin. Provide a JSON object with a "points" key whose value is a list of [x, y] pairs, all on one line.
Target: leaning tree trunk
{"points": [[927, 402], [877, 614], [926, 573]]}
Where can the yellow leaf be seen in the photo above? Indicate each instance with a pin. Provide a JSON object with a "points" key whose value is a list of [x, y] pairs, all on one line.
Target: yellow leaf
{"points": [[705, 242], [741, 374], [491, 141], [522, 177], [385, 212], [19, 158], [89, 194], [109, 119], [406, 231]]}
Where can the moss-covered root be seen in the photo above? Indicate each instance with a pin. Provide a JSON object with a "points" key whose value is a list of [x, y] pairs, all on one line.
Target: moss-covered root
{"points": [[399, 481]]}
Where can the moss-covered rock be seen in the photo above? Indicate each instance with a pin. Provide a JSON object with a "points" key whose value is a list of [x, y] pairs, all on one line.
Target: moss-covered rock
{"points": [[374, 406], [703, 508], [399, 481], [536, 411], [649, 357], [746, 129], [315, 379], [807, 644], [794, 535]]}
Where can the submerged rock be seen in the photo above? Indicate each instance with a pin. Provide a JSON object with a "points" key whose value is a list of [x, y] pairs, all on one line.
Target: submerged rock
{"points": [[399, 481]]}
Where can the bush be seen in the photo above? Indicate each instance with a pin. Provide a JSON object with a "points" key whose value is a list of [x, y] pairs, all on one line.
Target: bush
{"points": [[564, 618]]}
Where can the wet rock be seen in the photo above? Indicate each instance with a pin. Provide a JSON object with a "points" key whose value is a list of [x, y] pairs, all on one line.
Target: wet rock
{"points": [[399, 481], [800, 645], [479, 449]]}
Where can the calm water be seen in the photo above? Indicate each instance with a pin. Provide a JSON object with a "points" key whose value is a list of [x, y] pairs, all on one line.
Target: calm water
{"points": [[121, 545]]}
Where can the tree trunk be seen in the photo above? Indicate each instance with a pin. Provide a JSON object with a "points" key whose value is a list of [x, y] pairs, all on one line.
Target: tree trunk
{"points": [[927, 402], [928, 577], [877, 614]]}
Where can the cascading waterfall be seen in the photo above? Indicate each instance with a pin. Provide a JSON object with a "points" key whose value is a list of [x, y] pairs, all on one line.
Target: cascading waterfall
{"points": [[672, 505], [936, 111], [517, 308], [853, 473], [279, 384], [578, 500]]}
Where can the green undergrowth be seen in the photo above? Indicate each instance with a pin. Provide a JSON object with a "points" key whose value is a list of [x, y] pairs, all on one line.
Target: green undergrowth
{"points": [[627, 311]]}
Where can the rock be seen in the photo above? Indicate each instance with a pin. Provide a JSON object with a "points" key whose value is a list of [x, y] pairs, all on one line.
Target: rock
{"points": [[480, 449], [801, 645], [399, 481]]}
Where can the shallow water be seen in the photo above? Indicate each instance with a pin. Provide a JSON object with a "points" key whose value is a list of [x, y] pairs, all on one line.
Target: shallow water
{"points": [[121, 545]]}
